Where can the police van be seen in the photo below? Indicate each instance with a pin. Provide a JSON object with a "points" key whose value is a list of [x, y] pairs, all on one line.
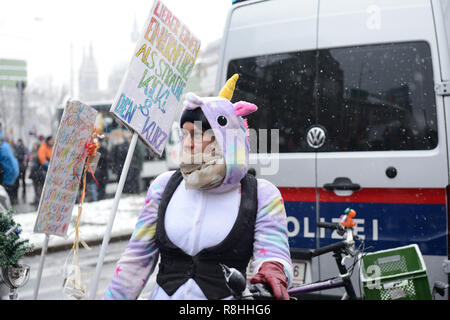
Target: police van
{"points": [[358, 94]]}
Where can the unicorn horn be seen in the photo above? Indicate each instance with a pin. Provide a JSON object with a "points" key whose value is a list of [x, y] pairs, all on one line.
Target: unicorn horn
{"points": [[228, 89]]}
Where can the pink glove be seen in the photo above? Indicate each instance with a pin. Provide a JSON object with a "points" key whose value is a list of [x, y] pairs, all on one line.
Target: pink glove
{"points": [[272, 273]]}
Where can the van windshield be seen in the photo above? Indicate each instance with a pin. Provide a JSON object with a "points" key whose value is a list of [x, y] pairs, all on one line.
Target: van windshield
{"points": [[366, 98]]}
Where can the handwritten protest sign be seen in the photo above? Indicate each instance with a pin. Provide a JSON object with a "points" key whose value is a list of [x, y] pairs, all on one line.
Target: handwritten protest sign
{"points": [[148, 98], [61, 185]]}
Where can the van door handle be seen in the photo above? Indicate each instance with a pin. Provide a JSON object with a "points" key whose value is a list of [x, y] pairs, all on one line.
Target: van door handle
{"points": [[342, 183]]}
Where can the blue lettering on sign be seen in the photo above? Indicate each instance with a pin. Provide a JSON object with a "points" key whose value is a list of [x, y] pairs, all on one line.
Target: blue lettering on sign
{"points": [[119, 103], [153, 134], [156, 96], [125, 107], [381, 225], [145, 109]]}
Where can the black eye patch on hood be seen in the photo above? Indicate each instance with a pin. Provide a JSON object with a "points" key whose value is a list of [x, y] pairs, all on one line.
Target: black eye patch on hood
{"points": [[222, 121]]}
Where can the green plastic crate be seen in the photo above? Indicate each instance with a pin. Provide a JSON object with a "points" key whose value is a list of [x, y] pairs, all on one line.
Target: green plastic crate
{"points": [[395, 274]]}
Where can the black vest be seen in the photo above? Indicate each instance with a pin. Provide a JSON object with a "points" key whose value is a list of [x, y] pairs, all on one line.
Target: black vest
{"points": [[176, 267]]}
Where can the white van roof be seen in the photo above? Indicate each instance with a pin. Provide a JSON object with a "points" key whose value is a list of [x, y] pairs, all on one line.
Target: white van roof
{"points": [[341, 23], [273, 23], [299, 25], [357, 22]]}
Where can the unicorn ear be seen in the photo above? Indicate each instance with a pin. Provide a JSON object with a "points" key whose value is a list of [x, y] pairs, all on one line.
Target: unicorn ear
{"points": [[243, 108], [192, 101]]}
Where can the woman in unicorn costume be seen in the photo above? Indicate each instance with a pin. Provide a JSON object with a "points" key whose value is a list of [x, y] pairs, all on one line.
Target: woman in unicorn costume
{"points": [[210, 212]]}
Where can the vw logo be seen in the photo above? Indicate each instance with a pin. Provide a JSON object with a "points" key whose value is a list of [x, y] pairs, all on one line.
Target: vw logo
{"points": [[316, 137]]}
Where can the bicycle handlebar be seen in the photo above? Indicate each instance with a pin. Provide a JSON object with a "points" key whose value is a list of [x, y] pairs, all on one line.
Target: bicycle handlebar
{"points": [[341, 230], [329, 248], [329, 225]]}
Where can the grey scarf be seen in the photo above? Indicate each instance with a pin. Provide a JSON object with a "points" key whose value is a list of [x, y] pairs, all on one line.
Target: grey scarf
{"points": [[204, 170]]}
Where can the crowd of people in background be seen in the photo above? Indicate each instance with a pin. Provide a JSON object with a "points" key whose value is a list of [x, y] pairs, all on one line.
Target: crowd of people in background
{"points": [[16, 159], [18, 163]]}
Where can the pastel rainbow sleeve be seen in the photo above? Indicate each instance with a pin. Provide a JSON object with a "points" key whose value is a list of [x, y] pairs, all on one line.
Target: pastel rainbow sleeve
{"points": [[271, 237], [139, 259]]}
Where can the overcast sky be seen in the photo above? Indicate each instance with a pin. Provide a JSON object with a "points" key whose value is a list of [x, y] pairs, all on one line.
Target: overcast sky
{"points": [[42, 31]]}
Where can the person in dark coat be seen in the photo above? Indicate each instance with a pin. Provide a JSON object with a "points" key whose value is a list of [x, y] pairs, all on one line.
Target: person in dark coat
{"points": [[9, 168], [133, 181], [102, 169], [96, 189], [21, 153], [44, 154]]}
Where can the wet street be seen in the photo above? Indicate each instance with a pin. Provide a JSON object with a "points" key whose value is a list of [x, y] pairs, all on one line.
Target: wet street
{"points": [[51, 286]]}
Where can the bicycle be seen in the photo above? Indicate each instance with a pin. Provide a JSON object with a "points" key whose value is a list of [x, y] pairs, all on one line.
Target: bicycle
{"points": [[237, 283], [346, 248]]}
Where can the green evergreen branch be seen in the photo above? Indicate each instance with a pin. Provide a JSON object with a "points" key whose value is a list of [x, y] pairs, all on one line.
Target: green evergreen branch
{"points": [[12, 248]]}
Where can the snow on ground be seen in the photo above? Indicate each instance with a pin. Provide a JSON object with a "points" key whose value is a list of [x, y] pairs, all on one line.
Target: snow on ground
{"points": [[94, 219]]}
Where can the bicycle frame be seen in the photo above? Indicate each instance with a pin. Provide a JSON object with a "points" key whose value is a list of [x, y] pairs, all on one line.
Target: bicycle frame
{"points": [[237, 283], [342, 281], [317, 286]]}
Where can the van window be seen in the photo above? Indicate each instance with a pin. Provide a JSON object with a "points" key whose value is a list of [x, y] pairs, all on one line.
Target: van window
{"points": [[370, 98], [282, 86], [377, 97]]}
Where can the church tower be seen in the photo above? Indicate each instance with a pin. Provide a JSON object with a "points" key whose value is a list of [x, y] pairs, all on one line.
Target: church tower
{"points": [[88, 77]]}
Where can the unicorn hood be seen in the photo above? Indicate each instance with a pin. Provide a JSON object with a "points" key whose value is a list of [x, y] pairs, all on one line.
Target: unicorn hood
{"points": [[230, 130]]}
